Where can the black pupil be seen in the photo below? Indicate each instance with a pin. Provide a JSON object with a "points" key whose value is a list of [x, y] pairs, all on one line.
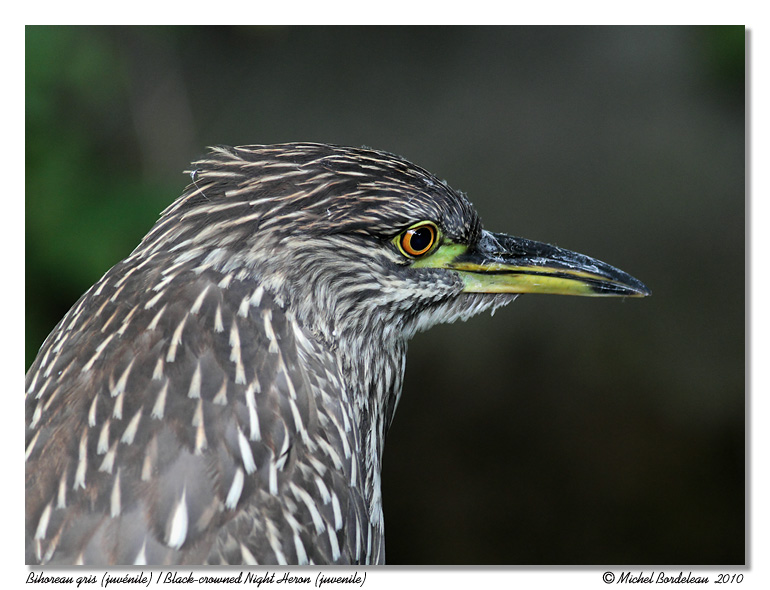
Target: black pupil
{"points": [[421, 239]]}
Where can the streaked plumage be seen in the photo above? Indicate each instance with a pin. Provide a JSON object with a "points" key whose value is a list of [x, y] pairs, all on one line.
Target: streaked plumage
{"points": [[222, 395]]}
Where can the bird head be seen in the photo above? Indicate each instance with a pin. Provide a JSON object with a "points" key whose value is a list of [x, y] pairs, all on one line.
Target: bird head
{"points": [[359, 243]]}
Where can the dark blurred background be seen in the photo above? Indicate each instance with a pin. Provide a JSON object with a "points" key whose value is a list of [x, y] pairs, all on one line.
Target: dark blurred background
{"points": [[561, 430]]}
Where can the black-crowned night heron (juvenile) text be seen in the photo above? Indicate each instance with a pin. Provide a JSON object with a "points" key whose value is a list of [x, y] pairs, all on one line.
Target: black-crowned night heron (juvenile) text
{"points": [[222, 395]]}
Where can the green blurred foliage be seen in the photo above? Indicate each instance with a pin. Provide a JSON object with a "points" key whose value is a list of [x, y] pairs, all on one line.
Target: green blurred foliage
{"points": [[83, 183], [725, 51]]}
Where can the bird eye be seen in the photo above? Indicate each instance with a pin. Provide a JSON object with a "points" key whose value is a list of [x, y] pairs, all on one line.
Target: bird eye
{"points": [[418, 240]]}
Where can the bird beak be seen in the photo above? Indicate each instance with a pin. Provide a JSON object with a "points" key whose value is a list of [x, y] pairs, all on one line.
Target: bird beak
{"points": [[506, 264]]}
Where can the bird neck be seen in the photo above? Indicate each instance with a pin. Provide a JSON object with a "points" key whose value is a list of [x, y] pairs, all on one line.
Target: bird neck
{"points": [[371, 372], [374, 375]]}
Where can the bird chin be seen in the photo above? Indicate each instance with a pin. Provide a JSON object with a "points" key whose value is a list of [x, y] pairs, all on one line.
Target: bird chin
{"points": [[477, 303], [462, 307]]}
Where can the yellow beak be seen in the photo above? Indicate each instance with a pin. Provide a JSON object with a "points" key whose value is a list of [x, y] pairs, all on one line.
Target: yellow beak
{"points": [[504, 264]]}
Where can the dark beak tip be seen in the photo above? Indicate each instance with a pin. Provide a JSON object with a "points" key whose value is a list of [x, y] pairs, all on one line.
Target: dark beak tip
{"points": [[640, 293], [638, 287], [622, 290], [630, 287]]}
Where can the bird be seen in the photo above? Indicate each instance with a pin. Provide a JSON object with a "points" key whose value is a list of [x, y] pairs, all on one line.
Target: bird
{"points": [[222, 395]]}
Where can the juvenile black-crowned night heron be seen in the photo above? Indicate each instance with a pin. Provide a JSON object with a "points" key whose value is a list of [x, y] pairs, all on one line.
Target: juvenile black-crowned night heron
{"points": [[222, 395]]}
